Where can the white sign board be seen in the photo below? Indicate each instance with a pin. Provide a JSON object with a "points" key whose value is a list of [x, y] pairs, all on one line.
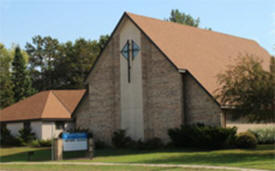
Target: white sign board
{"points": [[74, 141]]}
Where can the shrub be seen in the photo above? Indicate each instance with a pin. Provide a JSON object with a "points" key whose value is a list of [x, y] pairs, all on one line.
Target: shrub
{"points": [[35, 143], [45, 143], [41, 143], [264, 135], [100, 144], [26, 136], [151, 144], [6, 139], [201, 136], [120, 140], [246, 140]]}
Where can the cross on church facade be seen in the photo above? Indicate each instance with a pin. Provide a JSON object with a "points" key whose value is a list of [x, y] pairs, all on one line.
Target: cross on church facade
{"points": [[129, 52]]}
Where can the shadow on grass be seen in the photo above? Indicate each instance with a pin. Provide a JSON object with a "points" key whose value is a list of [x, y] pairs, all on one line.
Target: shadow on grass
{"points": [[212, 159], [168, 156], [107, 152], [40, 155]]}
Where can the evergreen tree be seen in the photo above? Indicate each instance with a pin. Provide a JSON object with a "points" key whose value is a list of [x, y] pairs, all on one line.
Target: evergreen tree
{"points": [[20, 77]]}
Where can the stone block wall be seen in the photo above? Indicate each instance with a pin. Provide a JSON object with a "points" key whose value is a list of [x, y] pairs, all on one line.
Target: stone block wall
{"points": [[200, 107], [99, 111], [162, 92]]}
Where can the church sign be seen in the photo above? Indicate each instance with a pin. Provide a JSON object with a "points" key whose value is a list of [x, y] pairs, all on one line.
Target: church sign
{"points": [[74, 141]]}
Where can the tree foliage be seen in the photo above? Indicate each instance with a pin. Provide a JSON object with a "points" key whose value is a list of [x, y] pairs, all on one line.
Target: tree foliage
{"points": [[182, 18], [46, 64], [55, 65], [22, 86], [43, 53], [6, 92], [249, 88]]}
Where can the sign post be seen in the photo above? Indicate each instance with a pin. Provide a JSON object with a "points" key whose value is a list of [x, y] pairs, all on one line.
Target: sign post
{"points": [[72, 142]]}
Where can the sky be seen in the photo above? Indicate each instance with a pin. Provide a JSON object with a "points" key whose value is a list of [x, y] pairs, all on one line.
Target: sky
{"points": [[66, 20]]}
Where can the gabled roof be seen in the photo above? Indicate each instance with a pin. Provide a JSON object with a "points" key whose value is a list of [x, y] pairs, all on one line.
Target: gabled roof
{"points": [[202, 52], [51, 104]]}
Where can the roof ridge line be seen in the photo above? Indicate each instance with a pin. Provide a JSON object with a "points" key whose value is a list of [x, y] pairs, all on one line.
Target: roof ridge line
{"points": [[191, 27], [150, 39], [44, 106], [65, 106]]}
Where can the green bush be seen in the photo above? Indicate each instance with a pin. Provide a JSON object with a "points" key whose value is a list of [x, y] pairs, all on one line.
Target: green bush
{"points": [[246, 140], [100, 144], [201, 136], [45, 143], [6, 139], [150, 144], [26, 136], [41, 143], [264, 135], [35, 143], [120, 140]]}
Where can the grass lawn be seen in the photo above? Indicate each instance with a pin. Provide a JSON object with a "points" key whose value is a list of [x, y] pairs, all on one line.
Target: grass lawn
{"points": [[263, 157], [93, 168]]}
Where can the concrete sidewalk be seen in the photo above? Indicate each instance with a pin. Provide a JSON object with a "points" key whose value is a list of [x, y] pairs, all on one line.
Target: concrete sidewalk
{"points": [[132, 164]]}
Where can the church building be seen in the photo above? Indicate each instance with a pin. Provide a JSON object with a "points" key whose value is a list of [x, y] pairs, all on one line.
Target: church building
{"points": [[154, 75]]}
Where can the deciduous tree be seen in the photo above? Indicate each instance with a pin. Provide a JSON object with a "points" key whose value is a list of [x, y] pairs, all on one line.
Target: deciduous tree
{"points": [[6, 85], [182, 18], [249, 89]]}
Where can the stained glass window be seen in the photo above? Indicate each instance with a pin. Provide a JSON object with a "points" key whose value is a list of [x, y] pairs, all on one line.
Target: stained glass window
{"points": [[135, 49], [125, 50]]}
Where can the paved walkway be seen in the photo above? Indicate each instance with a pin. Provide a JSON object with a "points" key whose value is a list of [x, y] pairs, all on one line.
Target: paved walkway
{"points": [[132, 164]]}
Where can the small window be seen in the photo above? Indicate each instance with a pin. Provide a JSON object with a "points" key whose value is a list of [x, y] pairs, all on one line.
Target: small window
{"points": [[27, 125], [59, 125]]}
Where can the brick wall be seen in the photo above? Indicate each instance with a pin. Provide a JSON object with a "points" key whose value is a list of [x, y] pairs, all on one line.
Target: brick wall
{"points": [[199, 106], [100, 109], [162, 92]]}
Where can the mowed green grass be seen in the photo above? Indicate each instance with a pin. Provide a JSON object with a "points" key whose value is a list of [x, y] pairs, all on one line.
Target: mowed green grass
{"points": [[93, 168], [263, 157]]}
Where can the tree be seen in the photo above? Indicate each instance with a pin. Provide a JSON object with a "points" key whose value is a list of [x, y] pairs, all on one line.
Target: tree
{"points": [[75, 63], [55, 65], [6, 85], [20, 78], [43, 52], [182, 18], [103, 39], [249, 88]]}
